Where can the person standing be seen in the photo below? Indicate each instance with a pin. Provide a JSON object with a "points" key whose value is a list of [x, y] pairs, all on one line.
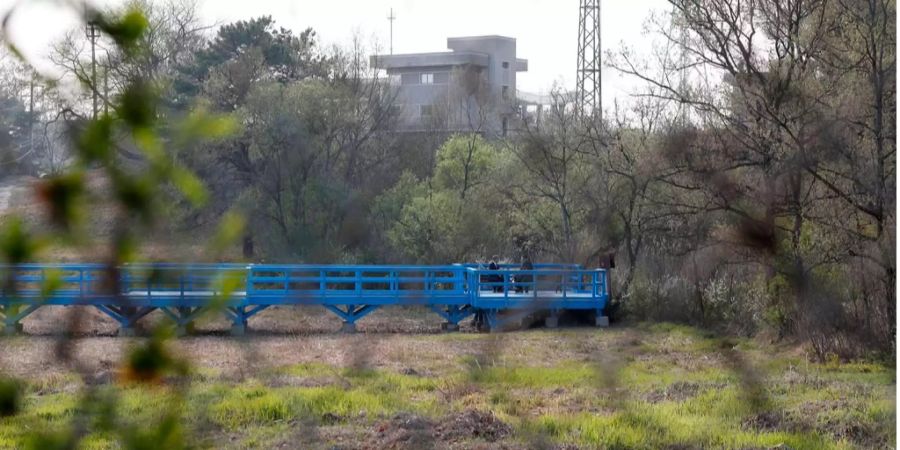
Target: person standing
{"points": [[527, 279], [480, 319], [495, 277]]}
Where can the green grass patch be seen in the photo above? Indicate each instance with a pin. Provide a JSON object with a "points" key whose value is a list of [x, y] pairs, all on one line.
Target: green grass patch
{"points": [[565, 375], [642, 426], [653, 386], [250, 406], [354, 393]]}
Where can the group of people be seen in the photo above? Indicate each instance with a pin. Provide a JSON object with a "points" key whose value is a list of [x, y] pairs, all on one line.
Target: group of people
{"points": [[521, 282]]}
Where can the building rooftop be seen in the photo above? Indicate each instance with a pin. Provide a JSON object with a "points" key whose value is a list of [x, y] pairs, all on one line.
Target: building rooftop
{"points": [[488, 37], [467, 55], [430, 60]]}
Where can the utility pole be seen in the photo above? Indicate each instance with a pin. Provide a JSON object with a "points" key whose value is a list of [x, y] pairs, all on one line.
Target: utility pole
{"points": [[391, 18], [93, 33], [31, 115], [588, 88], [106, 86]]}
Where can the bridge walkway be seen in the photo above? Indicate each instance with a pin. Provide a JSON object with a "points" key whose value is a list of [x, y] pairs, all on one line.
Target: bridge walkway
{"points": [[185, 291]]}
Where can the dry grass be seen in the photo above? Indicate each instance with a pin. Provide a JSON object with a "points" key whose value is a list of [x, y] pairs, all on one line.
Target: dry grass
{"points": [[624, 387]]}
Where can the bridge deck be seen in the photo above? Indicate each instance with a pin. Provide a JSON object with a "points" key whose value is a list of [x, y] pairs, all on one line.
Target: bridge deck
{"points": [[182, 291]]}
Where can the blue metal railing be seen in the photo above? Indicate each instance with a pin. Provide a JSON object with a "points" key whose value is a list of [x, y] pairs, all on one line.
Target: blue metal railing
{"points": [[245, 289]]}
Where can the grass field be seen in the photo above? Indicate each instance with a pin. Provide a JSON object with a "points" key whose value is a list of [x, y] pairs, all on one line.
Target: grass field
{"points": [[643, 386]]}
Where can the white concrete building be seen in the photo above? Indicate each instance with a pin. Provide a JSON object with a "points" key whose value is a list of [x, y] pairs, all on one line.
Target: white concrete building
{"points": [[471, 88]]}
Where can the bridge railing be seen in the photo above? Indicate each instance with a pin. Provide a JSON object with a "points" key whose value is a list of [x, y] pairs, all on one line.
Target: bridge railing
{"points": [[578, 284], [181, 281], [98, 282], [43, 281], [87, 283], [344, 282]]}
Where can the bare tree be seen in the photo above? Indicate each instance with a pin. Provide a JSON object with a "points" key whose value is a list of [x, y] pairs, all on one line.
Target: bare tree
{"points": [[766, 145]]}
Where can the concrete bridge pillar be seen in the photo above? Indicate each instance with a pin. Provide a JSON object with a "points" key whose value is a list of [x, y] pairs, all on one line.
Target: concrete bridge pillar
{"points": [[239, 328], [552, 321], [12, 329], [186, 329], [127, 331]]}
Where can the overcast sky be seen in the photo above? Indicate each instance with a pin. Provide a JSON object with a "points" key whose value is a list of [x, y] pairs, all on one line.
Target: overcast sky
{"points": [[546, 30]]}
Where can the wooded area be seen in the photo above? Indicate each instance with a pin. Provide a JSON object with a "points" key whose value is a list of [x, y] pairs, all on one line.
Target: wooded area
{"points": [[750, 187]]}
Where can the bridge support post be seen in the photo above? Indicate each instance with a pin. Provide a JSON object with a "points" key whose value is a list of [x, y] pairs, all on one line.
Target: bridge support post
{"points": [[12, 328], [552, 321], [128, 321], [493, 322], [239, 329], [12, 316], [186, 324], [350, 315], [183, 317], [185, 330], [453, 315], [126, 332], [239, 316], [238, 321], [127, 316]]}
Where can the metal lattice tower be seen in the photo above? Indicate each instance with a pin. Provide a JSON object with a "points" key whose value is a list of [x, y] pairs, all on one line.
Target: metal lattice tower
{"points": [[588, 88]]}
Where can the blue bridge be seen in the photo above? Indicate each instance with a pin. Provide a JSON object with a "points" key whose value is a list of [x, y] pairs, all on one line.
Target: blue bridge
{"points": [[185, 291]]}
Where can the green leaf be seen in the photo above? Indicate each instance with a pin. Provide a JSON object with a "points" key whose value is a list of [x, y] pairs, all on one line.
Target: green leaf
{"points": [[148, 362], [10, 397], [126, 30], [225, 285], [95, 143], [201, 124], [149, 143], [190, 186], [125, 247], [135, 194], [229, 231], [137, 106], [16, 245], [52, 282], [62, 195]]}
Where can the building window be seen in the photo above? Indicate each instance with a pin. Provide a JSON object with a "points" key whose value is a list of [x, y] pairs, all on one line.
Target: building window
{"points": [[426, 110], [506, 64], [505, 125], [427, 78], [504, 92], [442, 78], [409, 78]]}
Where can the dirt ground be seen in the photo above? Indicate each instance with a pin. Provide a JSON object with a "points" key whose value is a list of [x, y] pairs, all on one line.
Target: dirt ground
{"points": [[388, 337]]}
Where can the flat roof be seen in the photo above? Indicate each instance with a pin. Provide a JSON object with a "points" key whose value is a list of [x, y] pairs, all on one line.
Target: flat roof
{"points": [[481, 38], [410, 60]]}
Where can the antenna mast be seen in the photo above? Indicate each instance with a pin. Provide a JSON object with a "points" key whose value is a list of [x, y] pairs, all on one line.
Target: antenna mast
{"points": [[92, 32], [391, 18], [588, 89]]}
